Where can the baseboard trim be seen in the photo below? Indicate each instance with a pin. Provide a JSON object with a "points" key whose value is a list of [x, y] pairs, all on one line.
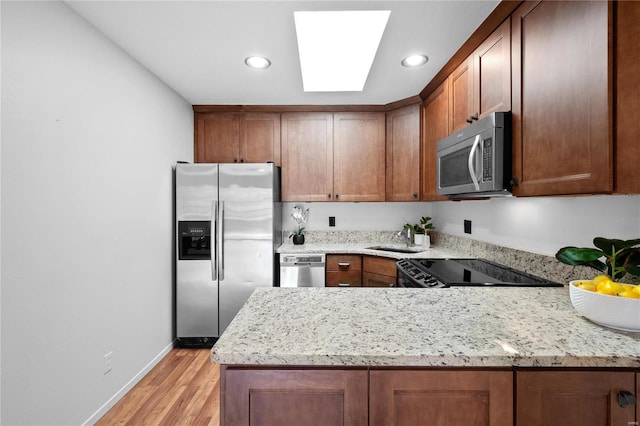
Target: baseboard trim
{"points": [[126, 388]]}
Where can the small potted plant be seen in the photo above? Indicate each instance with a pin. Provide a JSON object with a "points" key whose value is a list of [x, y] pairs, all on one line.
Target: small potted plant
{"points": [[300, 216], [603, 299], [421, 231]]}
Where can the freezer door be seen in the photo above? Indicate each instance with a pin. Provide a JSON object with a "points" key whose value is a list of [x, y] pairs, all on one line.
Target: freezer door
{"points": [[196, 279], [246, 259]]}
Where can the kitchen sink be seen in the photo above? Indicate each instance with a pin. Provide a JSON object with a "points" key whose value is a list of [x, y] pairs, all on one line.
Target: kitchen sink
{"points": [[395, 249]]}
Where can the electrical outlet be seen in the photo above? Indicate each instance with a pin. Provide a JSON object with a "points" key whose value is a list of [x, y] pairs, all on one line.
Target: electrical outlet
{"points": [[467, 226], [108, 362], [332, 221]]}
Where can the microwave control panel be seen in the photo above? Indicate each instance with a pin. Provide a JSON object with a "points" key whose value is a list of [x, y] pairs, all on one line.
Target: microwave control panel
{"points": [[487, 160]]}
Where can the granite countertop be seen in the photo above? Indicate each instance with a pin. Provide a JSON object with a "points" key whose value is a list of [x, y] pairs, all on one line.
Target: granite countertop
{"points": [[364, 248], [459, 327]]}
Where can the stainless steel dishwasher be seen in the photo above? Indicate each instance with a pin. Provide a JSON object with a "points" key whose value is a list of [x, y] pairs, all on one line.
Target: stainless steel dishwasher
{"points": [[302, 270]]}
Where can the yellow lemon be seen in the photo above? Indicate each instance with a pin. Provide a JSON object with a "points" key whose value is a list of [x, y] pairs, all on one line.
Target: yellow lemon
{"points": [[609, 287], [629, 294], [587, 285], [601, 278]]}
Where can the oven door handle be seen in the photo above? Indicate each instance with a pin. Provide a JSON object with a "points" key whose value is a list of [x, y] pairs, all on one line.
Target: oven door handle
{"points": [[472, 172]]}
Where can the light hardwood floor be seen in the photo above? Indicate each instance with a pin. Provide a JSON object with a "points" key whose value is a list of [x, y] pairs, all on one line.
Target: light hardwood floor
{"points": [[182, 389]]}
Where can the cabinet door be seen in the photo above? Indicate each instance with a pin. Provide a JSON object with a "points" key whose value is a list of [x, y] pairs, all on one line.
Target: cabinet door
{"points": [[403, 154], [461, 96], [260, 138], [294, 397], [492, 72], [359, 156], [370, 279], [627, 97], [573, 398], [217, 138], [379, 265], [435, 126], [307, 157], [441, 398], [562, 141]]}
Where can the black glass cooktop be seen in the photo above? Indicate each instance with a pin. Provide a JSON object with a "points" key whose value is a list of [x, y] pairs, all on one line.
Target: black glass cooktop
{"points": [[464, 272]]}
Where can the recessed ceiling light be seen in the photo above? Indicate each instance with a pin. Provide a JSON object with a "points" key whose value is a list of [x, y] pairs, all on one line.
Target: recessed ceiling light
{"points": [[414, 61], [257, 62], [337, 48]]}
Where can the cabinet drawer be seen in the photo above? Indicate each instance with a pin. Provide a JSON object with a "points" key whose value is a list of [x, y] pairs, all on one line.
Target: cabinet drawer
{"points": [[380, 265], [377, 280], [344, 262], [344, 279]]}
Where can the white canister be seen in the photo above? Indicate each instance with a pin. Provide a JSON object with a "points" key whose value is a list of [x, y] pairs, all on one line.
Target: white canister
{"points": [[426, 241]]}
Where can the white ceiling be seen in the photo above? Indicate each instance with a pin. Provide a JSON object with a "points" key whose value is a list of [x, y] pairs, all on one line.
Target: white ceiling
{"points": [[198, 47]]}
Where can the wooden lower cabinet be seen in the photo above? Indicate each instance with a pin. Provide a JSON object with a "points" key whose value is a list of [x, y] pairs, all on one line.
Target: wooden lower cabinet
{"points": [[378, 272], [261, 397], [344, 270], [440, 398], [574, 398], [426, 396]]}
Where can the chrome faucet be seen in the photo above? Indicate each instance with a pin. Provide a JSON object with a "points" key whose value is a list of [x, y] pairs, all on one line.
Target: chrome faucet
{"points": [[408, 238]]}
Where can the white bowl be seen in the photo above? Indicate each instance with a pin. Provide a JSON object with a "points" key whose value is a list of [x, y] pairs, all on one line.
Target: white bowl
{"points": [[611, 311]]}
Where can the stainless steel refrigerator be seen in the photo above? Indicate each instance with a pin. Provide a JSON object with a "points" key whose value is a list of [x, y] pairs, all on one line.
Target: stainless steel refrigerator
{"points": [[228, 224]]}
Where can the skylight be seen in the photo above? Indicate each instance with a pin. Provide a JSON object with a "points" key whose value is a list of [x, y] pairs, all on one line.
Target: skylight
{"points": [[337, 48]]}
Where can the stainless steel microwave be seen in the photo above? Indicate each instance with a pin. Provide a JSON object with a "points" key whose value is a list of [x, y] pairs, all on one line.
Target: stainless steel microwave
{"points": [[476, 161]]}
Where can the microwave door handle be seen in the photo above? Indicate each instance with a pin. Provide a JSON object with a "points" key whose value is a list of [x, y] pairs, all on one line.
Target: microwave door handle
{"points": [[472, 172]]}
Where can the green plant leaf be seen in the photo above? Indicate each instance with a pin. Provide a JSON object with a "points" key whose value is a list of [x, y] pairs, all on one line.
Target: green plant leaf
{"points": [[576, 256]]}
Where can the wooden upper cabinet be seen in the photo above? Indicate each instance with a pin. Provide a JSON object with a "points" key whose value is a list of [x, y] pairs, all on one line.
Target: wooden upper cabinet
{"points": [[573, 398], [482, 83], [562, 137], [307, 157], [260, 138], [217, 138], [237, 137], [627, 179], [435, 126], [403, 154], [460, 86], [359, 156], [492, 72], [333, 157]]}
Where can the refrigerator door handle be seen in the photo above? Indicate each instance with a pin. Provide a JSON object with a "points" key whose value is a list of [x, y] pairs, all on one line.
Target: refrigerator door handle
{"points": [[221, 273], [213, 240]]}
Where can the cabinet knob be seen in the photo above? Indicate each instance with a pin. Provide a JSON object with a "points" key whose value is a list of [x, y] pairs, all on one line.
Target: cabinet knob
{"points": [[242, 160], [469, 120], [235, 160], [474, 116], [415, 195], [514, 181], [329, 195], [337, 195], [626, 399]]}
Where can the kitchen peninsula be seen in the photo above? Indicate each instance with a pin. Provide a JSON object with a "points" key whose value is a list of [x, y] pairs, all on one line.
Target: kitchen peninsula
{"points": [[391, 356]]}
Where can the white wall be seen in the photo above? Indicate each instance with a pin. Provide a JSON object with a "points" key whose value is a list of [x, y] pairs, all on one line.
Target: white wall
{"points": [[89, 138], [536, 224], [542, 224], [357, 216]]}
